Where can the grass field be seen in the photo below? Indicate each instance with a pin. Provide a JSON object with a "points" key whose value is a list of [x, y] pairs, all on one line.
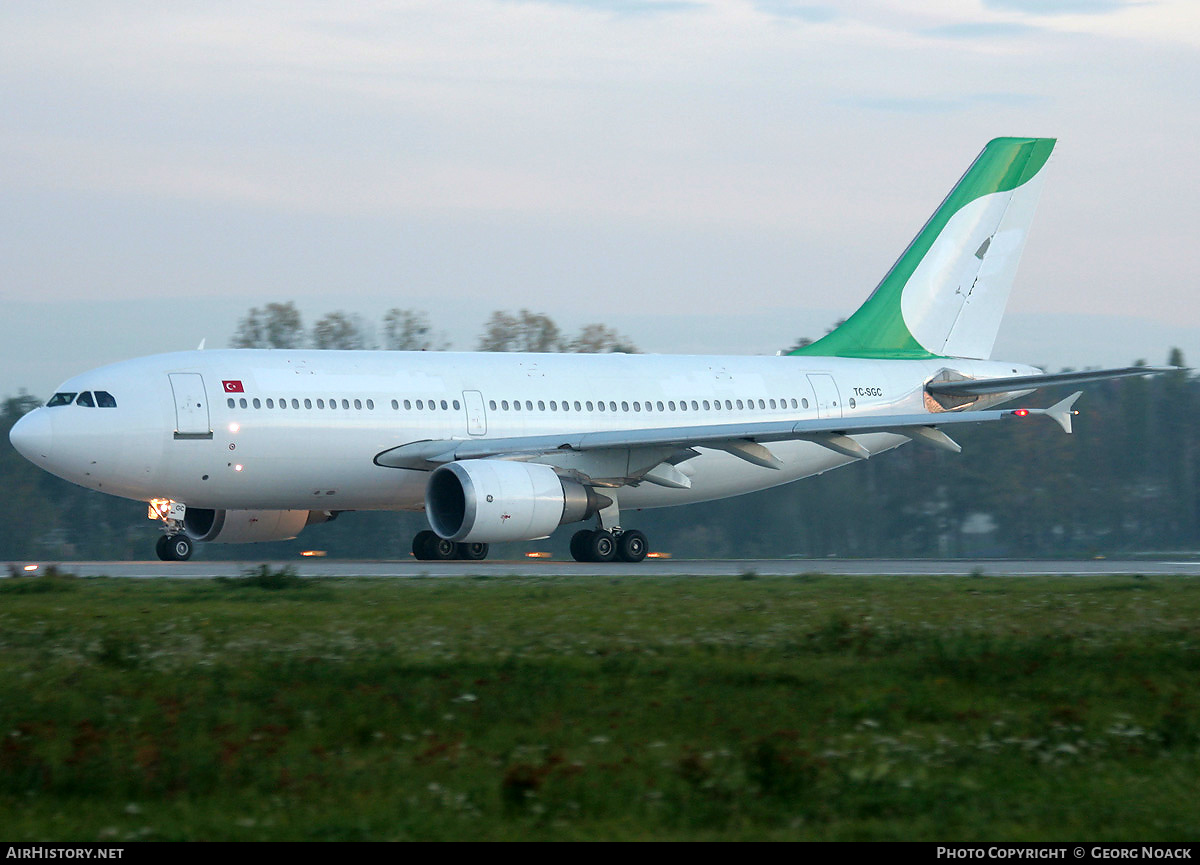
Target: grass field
{"points": [[807, 707]]}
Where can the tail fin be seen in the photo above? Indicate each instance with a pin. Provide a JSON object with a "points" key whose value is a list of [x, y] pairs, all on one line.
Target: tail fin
{"points": [[946, 294]]}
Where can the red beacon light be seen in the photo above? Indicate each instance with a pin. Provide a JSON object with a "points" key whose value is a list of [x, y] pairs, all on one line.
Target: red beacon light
{"points": [[1021, 412]]}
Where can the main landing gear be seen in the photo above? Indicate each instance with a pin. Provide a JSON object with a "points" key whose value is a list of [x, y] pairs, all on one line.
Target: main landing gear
{"points": [[428, 547], [600, 545], [609, 542], [175, 548]]}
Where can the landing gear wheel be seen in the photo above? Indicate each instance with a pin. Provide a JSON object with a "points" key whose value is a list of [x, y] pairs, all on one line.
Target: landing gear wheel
{"points": [[632, 546], [579, 542], [420, 545], [175, 548], [472, 552], [442, 550], [601, 547]]}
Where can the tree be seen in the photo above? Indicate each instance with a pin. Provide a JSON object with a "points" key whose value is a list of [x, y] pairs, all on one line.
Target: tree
{"points": [[338, 330], [408, 330], [600, 338], [278, 325], [525, 331]]}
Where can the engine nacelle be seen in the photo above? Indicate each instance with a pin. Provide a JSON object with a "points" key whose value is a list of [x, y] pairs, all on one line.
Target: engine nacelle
{"points": [[244, 527], [491, 501]]}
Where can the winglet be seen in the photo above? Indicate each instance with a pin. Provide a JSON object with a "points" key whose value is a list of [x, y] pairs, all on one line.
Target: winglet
{"points": [[1061, 411]]}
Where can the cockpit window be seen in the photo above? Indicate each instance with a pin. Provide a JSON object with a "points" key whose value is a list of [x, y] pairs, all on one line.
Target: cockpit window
{"points": [[85, 398], [61, 399], [104, 399]]}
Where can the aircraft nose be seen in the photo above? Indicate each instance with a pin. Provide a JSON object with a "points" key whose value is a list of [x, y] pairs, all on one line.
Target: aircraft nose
{"points": [[33, 435]]}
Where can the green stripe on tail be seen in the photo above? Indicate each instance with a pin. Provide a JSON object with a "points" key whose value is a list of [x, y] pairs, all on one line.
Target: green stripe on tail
{"points": [[956, 298]]}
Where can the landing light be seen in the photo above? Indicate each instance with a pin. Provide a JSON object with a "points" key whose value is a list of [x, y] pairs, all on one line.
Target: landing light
{"points": [[233, 427], [238, 467], [159, 509], [537, 555], [32, 567], [313, 553], [658, 555]]}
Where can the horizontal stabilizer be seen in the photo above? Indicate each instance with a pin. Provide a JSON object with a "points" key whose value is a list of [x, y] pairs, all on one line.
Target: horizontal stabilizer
{"points": [[980, 387]]}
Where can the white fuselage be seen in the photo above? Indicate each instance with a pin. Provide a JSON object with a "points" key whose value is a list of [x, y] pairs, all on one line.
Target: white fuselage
{"points": [[300, 429]]}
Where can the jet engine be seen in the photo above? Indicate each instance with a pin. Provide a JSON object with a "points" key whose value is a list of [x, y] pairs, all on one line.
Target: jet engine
{"points": [[243, 527], [491, 501]]}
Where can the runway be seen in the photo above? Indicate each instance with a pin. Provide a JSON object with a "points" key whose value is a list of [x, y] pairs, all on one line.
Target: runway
{"points": [[659, 567]]}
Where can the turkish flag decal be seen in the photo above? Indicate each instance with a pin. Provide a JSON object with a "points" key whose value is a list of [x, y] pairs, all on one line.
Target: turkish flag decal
{"points": [[233, 387]]}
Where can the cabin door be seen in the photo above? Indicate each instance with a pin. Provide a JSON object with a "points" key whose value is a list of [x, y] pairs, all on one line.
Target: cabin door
{"points": [[829, 403], [476, 416], [191, 405]]}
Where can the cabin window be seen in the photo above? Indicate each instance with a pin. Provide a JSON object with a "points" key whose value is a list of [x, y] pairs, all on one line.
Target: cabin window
{"points": [[420, 405], [624, 406], [600, 406], [660, 405], [671, 405], [553, 405], [370, 405], [578, 407], [407, 405], [504, 405], [242, 402], [739, 403], [772, 403], [804, 402], [445, 405], [257, 402], [295, 403], [457, 405], [307, 403], [270, 403], [229, 402], [541, 405], [637, 406], [528, 405], [61, 399], [346, 404]]}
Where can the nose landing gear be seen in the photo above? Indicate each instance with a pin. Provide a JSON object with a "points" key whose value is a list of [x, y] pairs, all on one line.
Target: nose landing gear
{"points": [[174, 545]]}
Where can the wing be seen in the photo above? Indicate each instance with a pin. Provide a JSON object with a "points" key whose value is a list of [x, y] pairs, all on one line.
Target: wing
{"points": [[633, 455]]}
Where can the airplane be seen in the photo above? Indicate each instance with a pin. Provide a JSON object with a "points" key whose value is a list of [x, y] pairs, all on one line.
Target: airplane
{"points": [[241, 445]]}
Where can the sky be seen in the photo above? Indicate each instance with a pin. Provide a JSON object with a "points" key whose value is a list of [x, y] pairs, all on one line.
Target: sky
{"points": [[706, 176]]}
